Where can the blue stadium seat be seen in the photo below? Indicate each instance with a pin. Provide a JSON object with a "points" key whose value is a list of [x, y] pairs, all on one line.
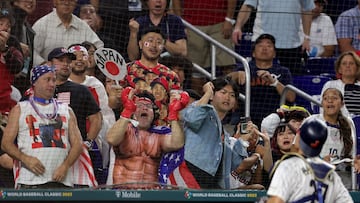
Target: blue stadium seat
{"points": [[312, 85], [321, 66]]}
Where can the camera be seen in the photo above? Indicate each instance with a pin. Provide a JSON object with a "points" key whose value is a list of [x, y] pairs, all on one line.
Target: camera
{"points": [[243, 124]]}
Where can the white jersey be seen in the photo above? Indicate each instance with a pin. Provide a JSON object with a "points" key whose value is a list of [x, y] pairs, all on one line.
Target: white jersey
{"points": [[44, 139], [334, 146], [293, 180]]}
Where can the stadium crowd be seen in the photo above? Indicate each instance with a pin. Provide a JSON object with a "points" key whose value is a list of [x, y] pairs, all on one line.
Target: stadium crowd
{"points": [[65, 123]]}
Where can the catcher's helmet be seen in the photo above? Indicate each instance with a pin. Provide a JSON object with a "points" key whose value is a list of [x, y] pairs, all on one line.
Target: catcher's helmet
{"points": [[313, 134]]}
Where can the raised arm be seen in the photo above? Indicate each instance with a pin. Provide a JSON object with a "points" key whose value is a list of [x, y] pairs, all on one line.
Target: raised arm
{"points": [[133, 47], [117, 132], [177, 138]]}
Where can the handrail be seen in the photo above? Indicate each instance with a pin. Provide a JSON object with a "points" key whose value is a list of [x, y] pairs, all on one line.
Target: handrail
{"points": [[309, 98], [354, 137], [233, 54], [298, 92]]}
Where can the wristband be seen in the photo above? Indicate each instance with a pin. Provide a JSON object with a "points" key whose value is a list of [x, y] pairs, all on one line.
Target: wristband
{"points": [[275, 77], [88, 143], [232, 21], [274, 84], [258, 155], [307, 37]]}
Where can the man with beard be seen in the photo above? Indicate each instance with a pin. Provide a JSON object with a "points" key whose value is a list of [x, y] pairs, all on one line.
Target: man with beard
{"points": [[97, 89], [148, 68], [171, 25], [138, 144], [81, 101]]}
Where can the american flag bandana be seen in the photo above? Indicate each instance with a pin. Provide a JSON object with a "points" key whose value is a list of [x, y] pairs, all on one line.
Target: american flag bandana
{"points": [[38, 71]]}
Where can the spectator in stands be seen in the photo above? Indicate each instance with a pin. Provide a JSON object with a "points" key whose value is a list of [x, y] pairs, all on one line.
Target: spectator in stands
{"points": [[182, 66], [347, 29], [267, 79], [281, 19], [40, 128], [347, 67], [138, 148], [22, 30], [92, 69], [207, 157], [248, 173], [11, 60], [148, 67], [61, 28], [88, 14], [78, 75], [289, 114], [82, 102], [339, 143], [322, 34], [116, 15], [169, 24], [282, 140], [279, 126], [214, 18]]}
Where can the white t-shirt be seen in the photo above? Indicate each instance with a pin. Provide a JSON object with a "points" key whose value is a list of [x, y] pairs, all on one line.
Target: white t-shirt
{"points": [[322, 33]]}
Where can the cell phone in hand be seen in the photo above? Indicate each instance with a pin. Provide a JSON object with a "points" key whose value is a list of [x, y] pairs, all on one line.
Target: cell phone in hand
{"points": [[243, 124]]}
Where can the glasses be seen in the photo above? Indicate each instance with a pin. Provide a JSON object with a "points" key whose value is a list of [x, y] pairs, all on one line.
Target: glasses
{"points": [[146, 105]]}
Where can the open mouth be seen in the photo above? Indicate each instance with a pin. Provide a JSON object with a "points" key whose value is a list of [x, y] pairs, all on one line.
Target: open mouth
{"points": [[157, 7], [287, 142], [144, 115], [226, 103], [79, 63]]}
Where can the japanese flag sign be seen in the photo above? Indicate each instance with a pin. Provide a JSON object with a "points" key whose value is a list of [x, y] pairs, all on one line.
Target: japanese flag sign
{"points": [[111, 63]]}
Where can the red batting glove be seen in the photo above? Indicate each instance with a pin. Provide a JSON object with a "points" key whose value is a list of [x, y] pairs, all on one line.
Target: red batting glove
{"points": [[177, 105], [184, 98], [128, 104]]}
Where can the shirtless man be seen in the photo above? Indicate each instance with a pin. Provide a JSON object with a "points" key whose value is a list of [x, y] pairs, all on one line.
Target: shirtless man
{"points": [[138, 144]]}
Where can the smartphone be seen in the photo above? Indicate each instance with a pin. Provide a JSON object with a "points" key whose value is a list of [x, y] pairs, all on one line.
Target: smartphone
{"points": [[243, 124]]}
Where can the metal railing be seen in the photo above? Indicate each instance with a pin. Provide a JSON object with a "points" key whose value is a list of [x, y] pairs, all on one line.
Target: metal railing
{"points": [[215, 44]]}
